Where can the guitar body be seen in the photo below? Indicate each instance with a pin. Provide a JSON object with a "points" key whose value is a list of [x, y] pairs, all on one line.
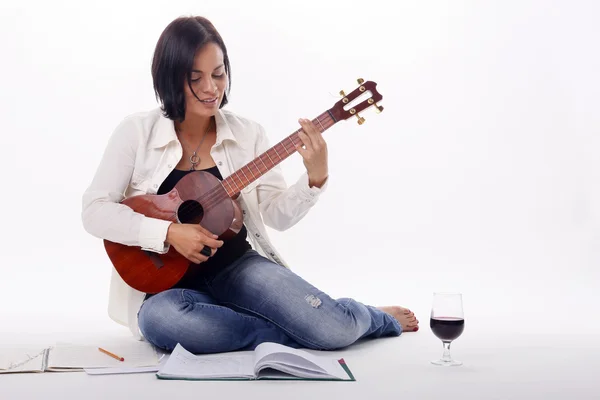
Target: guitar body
{"points": [[199, 197]]}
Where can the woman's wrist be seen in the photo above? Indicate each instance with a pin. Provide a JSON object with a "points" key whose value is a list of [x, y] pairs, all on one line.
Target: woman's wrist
{"points": [[170, 233], [318, 182]]}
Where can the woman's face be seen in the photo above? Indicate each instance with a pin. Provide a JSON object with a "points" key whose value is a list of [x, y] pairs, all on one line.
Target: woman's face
{"points": [[209, 82]]}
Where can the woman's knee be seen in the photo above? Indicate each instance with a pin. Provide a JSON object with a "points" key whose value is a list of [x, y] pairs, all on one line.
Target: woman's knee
{"points": [[331, 337], [188, 319], [336, 329], [158, 319]]}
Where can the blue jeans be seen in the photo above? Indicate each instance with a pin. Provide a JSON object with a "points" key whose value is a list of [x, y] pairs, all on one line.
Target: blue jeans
{"points": [[255, 300]]}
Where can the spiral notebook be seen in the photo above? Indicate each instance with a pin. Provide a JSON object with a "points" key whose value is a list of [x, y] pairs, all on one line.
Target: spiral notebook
{"points": [[76, 358]]}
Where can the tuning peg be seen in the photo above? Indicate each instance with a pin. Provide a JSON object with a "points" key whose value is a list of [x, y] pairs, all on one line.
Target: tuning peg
{"points": [[345, 99], [361, 120], [378, 108], [360, 81]]}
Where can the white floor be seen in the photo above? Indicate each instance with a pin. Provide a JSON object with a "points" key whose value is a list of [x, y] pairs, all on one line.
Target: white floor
{"points": [[496, 366]]}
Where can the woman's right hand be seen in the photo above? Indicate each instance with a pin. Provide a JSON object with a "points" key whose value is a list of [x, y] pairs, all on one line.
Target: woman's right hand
{"points": [[190, 239]]}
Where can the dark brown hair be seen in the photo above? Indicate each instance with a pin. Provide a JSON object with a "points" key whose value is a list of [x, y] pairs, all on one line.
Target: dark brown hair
{"points": [[173, 62]]}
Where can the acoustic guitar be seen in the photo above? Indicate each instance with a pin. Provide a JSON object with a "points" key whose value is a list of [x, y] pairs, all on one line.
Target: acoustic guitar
{"points": [[201, 198]]}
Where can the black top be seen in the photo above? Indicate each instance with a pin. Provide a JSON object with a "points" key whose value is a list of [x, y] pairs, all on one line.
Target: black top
{"points": [[231, 250]]}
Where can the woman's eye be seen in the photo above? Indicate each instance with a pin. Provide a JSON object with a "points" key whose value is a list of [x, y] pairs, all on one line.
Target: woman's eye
{"points": [[214, 76]]}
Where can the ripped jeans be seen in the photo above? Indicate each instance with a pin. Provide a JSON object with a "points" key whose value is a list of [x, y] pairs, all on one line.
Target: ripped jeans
{"points": [[255, 300]]}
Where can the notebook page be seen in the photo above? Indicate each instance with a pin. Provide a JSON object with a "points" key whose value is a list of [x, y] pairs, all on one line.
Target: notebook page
{"points": [[288, 355], [136, 354], [292, 371], [330, 365], [183, 364], [303, 366], [22, 360]]}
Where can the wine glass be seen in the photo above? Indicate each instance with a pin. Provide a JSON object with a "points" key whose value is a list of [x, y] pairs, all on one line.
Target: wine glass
{"points": [[447, 323]]}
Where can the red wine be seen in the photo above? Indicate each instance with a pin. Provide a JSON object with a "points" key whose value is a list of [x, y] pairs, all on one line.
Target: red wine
{"points": [[447, 328]]}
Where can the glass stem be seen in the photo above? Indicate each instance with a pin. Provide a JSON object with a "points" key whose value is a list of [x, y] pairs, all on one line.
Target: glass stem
{"points": [[446, 357]]}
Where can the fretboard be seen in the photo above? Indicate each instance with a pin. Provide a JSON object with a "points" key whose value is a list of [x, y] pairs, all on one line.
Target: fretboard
{"points": [[262, 164]]}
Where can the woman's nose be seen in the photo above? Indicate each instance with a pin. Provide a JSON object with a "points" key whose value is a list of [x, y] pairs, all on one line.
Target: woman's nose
{"points": [[209, 86]]}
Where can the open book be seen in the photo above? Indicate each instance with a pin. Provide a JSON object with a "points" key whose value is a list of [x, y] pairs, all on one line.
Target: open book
{"points": [[76, 358], [267, 361]]}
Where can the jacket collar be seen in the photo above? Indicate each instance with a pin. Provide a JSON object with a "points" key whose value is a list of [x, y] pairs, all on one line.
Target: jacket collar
{"points": [[164, 131]]}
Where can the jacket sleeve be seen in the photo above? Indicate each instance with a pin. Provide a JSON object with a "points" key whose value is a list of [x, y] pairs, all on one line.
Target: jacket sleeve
{"points": [[102, 214], [281, 206]]}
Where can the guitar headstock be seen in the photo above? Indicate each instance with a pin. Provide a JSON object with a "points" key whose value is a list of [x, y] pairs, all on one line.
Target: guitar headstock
{"points": [[344, 109]]}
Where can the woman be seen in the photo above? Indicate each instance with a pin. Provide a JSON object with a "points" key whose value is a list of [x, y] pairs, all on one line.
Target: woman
{"points": [[245, 294]]}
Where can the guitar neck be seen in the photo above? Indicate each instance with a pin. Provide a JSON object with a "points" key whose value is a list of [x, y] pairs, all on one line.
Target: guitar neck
{"points": [[262, 164]]}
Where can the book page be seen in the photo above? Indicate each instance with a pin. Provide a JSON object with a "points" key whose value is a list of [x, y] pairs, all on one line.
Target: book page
{"points": [[289, 368], [135, 354], [22, 360], [185, 365], [274, 355]]}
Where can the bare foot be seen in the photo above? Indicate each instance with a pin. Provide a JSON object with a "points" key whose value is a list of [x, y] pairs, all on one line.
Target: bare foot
{"points": [[404, 316]]}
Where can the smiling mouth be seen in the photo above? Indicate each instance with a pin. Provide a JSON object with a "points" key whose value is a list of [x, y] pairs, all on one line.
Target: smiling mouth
{"points": [[209, 101]]}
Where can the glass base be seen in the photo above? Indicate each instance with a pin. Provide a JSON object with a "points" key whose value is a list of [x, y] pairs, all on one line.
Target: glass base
{"points": [[447, 363]]}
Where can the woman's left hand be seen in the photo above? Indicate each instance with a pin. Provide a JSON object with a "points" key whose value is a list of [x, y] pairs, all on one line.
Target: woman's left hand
{"points": [[314, 153]]}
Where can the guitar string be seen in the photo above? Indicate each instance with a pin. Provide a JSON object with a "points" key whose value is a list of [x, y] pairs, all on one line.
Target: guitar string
{"points": [[215, 195], [207, 197], [218, 193]]}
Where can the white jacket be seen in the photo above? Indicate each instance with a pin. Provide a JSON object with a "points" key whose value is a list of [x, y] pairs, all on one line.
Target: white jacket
{"points": [[141, 153]]}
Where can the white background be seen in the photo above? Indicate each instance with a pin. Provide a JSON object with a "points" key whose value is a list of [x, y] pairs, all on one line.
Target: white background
{"points": [[481, 175]]}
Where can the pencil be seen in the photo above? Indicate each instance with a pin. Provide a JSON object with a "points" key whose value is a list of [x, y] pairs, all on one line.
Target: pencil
{"points": [[111, 354]]}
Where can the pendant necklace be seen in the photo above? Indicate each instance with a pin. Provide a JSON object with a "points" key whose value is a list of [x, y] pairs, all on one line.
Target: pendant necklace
{"points": [[195, 158]]}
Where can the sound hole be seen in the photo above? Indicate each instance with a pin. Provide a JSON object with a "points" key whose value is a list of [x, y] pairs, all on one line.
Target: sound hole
{"points": [[190, 212]]}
